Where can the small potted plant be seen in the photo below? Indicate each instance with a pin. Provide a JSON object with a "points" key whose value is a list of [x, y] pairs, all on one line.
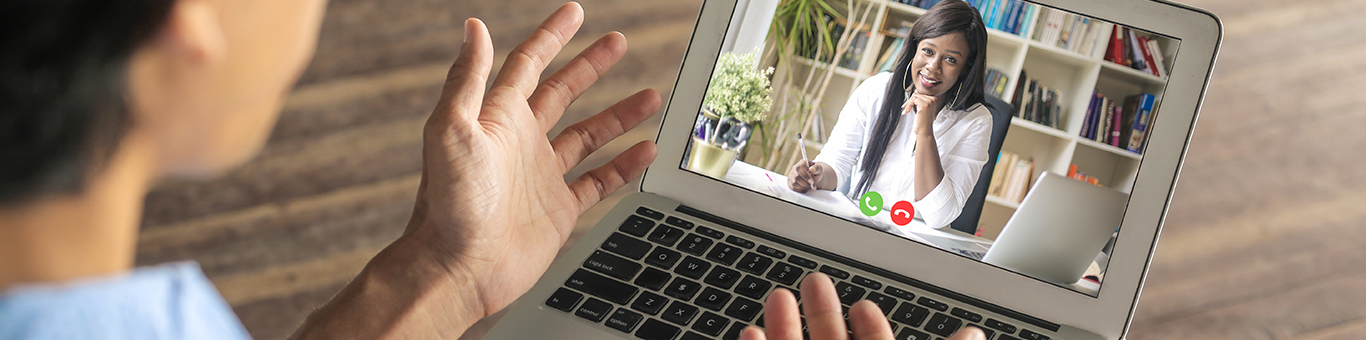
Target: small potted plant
{"points": [[737, 98]]}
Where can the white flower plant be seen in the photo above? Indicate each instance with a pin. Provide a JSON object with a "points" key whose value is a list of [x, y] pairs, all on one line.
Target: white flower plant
{"points": [[738, 89]]}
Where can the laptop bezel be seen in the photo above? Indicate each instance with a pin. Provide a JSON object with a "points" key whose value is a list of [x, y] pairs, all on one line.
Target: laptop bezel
{"points": [[1108, 314]]}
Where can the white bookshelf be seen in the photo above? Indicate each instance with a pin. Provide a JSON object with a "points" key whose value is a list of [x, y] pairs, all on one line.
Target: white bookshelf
{"points": [[1073, 74]]}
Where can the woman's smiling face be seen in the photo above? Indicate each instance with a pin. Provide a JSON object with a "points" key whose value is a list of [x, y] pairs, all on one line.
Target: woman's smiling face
{"points": [[938, 62]]}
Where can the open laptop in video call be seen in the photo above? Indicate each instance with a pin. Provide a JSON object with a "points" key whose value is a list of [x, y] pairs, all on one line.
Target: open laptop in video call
{"points": [[1056, 230]]}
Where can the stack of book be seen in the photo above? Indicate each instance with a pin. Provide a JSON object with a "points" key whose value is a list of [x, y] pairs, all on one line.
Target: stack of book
{"points": [[1122, 125], [1037, 103], [1071, 32], [1011, 177], [1010, 16], [995, 84], [1082, 176], [1137, 51]]}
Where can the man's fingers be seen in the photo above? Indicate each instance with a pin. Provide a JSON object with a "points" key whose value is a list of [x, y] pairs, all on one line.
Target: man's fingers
{"points": [[824, 317], [752, 333], [577, 141], [968, 333], [596, 184], [526, 62], [868, 322], [463, 94], [781, 320], [555, 93]]}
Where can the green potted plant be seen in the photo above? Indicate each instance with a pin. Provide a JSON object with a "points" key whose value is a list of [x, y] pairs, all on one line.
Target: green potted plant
{"points": [[737, 98]]}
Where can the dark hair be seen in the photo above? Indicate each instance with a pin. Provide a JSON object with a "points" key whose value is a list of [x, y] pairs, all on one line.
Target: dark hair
{"points": [[946, 17], [63, 88]]}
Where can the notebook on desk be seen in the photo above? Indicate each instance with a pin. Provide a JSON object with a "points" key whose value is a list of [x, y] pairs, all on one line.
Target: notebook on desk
{"points": [[694, 255]]}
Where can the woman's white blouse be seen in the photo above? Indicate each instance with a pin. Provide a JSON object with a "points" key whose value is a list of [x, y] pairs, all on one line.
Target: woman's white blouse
{"points": [[962, 137]]}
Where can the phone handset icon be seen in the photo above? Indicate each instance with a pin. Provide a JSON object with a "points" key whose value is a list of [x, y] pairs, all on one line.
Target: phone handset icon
{"points": [[902, 212], [871, 203]]}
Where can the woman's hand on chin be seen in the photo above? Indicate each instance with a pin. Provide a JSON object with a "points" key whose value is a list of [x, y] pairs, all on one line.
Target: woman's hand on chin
{"points": [[922, 103]]}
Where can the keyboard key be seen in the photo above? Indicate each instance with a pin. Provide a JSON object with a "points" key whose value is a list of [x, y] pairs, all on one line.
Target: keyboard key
{"points": [[653, 279], [734, 332], [678, 222], [886, 303], [724, 254], [626, 246], [752, 287], [623, 320], [694, 336], [867, 282], [774, 253], [1030, 335], [647, 212], [712, 298], [612, 265], [710, 324], [692, 268], [563, 299], [722, 277], [601, 286], [1000, 326], [655, 330], [966, 315], [740, 242], [911, 315], [802, 261], [932, 304], [785, 274], [594, 309], [709, 232], [899, 293], [679, 312], [912, 334], [649, 303], [849, 294], [986, 331], [942, 324], [744, 309], [666, 235], [636, 225], [835, 272], [754, 263], [682, 289], [695, 244], [663, 258]]}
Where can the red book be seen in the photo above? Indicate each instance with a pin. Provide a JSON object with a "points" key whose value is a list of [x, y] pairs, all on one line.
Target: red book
{"points": [[1115, 52], [1147, 56]]}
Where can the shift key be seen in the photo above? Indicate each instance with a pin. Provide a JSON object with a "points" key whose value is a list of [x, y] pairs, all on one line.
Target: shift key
{"points": [[601, 286]]}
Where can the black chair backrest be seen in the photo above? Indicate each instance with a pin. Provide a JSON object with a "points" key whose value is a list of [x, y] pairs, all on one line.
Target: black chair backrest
{"points": [[1001, 113]]}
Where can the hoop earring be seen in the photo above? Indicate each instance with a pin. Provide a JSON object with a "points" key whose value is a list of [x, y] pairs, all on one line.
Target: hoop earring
{"points": [[957, 95], [905, 78]]}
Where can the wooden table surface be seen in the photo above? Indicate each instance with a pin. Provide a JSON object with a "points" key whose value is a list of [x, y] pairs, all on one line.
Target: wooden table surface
{"points": [[1262, 240]]}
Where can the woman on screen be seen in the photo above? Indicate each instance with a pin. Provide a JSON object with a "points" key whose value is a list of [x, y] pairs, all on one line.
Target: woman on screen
{"points": [[919, 133]]}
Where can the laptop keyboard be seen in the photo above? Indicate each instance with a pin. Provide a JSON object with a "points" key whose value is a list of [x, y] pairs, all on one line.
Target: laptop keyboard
{"points": [[661, 277]]}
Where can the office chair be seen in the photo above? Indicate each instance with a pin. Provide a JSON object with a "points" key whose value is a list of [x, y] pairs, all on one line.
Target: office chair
{"points": [[1001, 113]]}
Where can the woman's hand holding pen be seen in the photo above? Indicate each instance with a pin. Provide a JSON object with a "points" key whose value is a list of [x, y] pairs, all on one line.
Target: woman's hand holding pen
{"points": [[919, 102], [804, 176]]}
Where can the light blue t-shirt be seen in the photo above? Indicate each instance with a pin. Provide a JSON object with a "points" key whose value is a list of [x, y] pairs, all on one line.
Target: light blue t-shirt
{"points": [[172, 301]]}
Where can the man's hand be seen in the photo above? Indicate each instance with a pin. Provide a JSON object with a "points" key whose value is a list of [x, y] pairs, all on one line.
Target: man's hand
{"points": [[824, 316]]}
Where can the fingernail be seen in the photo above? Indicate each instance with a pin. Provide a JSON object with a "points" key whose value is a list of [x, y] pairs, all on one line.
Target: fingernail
{"points": [[469, 23]]}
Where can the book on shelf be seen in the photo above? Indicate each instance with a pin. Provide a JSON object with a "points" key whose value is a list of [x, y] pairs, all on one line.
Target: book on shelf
{"points": [[1037, 103], [995, 84], [1136, 50], [858, 42], [1011, 177], [1139, 121], [1081, 176], [1119, 124], [1010, 16], [1071, 32]]}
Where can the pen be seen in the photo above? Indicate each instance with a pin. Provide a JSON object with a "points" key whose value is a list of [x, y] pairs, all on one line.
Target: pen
{"points": [[806, 164]]}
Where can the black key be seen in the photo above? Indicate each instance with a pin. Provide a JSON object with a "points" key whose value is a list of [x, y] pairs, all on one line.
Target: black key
{"points": [[912, 334], [1030, 335], [623, 320], [666, 235], [785, 274], [942, 324], [626, 246], [653, 279], [636, 225], [932, 304], [734, 332], [802, 261], [678, 222], [695, 244], [766, 250], [655, 330], [752, 287], [744, 309], [849, 294], [722, 277], [900, 293], [564, 299], [683, 289], [663, 257], [647, 212], [966, 315], [989, 333], [594, 309], [612, 265], [886, 303], [1001, 326], [867, 282], [724, 254], [709, 232], [679, 312], [649, 303], [601, 286], [909, 314], [754, 264], [693, 336], [835, 272], [740, 242], [692, 267], [712, 298], [710, 324]]}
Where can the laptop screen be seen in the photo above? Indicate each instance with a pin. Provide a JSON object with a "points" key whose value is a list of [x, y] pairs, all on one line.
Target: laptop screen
{"points": [[935, 121]]}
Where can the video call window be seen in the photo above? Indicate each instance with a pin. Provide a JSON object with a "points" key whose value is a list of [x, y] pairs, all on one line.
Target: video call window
{"points": [[798, 109]]}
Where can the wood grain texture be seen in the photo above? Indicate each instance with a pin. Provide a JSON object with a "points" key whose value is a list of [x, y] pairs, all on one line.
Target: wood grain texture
{"points": [[1262, 240]]}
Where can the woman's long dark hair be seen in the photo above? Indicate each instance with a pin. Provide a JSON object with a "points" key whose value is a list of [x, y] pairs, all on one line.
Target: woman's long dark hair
{"points": [[947, 17]]}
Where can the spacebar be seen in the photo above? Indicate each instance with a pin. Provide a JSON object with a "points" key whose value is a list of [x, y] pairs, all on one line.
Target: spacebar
{"points": [[601, 286]]}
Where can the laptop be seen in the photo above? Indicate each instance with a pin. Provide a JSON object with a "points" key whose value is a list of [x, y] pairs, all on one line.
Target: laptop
{"points": [[1060, 228], [694, 255]]}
